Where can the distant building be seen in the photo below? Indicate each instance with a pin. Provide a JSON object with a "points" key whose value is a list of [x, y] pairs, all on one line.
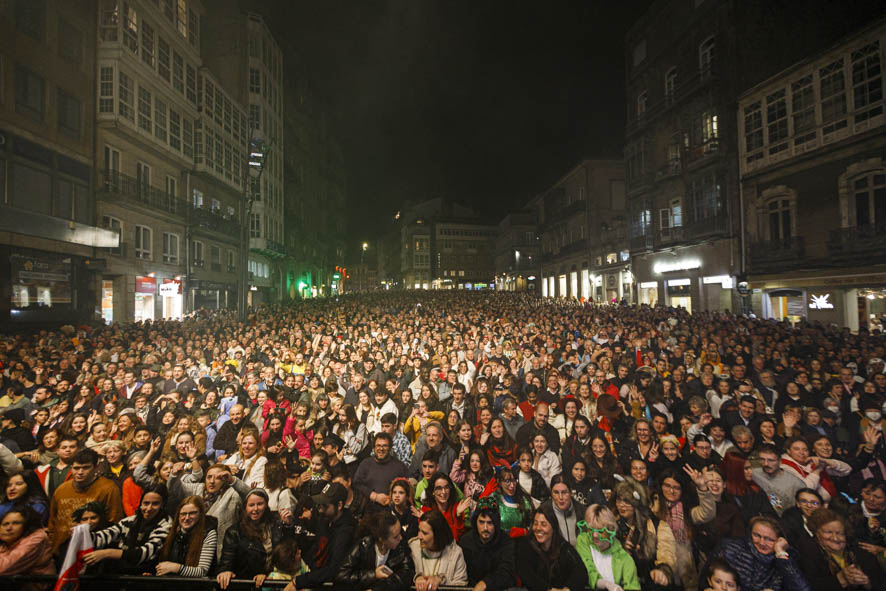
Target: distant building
{"points": [[565, 220], [445, 246], [516, 253], [812, 157]]}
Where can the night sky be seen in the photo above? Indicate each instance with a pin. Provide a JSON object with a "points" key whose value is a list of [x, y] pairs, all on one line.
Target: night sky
{"points": [[485, 103]]}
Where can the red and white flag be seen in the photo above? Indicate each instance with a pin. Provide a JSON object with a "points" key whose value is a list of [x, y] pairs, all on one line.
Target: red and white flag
{"points": [[72, 567]]}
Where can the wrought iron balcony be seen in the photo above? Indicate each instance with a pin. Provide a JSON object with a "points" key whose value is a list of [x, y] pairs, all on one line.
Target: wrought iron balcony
{"points": [[859, 241], [117, 186], [777, 254], [202, 217]]}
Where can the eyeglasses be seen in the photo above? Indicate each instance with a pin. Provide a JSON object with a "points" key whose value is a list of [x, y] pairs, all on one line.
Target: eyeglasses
{"points": [[809, 503], [441, 488]]}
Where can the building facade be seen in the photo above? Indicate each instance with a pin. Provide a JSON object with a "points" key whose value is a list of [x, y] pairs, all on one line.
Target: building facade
{"points": [[686, 65], [516, 253], [812, 157], [564, 214], [680, 173], [250, 67], [48, 239]]}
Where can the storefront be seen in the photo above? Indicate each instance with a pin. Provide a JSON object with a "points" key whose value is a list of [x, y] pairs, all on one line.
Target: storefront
{"points": [[145, 292], [43, 286], [851, 301], [171, 298], [107, 300], [697, 278]]}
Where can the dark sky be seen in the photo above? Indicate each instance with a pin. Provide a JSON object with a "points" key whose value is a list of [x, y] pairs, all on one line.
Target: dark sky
{"points": [[482, 102]]}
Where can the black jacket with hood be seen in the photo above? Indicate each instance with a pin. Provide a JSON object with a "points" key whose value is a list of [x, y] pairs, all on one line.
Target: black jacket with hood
{"points": [[491, 562]]}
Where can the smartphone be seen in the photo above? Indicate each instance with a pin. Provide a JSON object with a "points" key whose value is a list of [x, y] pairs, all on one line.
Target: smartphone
{"points": [[386, 570]]}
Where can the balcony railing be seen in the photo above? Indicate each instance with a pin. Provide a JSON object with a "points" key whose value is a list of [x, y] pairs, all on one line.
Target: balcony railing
{"points": [[578, 246], [115, 185], [708, 226], [867, 241], [202, 217], [777, 254], [641, 243]]}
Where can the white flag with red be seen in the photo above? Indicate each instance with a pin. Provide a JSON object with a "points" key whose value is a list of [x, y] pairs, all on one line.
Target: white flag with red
{"points": [[72, 567]]}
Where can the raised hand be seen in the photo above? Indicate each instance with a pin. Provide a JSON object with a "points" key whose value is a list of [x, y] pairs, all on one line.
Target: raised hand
{"points": [[698, 478]]}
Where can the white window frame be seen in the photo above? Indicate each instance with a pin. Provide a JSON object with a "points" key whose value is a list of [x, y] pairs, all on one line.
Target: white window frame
{"points": [[144, 237], [197, 253], [170, 257]]}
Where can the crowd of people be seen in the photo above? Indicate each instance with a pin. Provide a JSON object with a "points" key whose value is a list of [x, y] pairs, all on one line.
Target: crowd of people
{"points": [[485, 440]]}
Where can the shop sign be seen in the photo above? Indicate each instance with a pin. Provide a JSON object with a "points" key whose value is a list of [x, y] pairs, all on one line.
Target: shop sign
{"points": [[649, 285], [33, 270], [170, 287], [144, 284], [682, 265], [820, 302]]}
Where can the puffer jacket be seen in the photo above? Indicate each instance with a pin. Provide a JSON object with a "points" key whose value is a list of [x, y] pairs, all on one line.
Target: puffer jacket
{"points": [[358, 569], [757, 571], [245, 556]]}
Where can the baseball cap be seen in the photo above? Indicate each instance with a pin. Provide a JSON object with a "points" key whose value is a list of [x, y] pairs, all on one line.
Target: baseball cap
{"points": [[331, 494]]}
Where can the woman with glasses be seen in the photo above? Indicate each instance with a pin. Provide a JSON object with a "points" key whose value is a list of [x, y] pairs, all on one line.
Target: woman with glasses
{"points": [[514, 507], [648, 540], [795, 521], [830, 563], [441, 495], [609, 566], [684, 502]]}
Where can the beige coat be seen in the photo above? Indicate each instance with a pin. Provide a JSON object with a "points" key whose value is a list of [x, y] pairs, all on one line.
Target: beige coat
{"points": [[450, 566]]}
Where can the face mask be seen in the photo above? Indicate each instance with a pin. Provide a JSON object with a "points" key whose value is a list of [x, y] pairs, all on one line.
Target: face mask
{"points": [[873, 415]]}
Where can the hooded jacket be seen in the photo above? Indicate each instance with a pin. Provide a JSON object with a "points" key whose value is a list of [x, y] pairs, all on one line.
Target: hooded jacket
{"points": [[491, 562], [623, 568]]}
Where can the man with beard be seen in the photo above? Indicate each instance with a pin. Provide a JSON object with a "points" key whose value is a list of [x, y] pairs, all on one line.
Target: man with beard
{"points": [[489, 552]]}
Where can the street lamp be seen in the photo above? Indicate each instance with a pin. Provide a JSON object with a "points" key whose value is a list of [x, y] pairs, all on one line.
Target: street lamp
{"points": [[258, 151]]}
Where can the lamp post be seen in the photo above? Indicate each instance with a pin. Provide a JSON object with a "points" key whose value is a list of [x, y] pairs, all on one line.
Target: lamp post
{"points": [[255, 166]]}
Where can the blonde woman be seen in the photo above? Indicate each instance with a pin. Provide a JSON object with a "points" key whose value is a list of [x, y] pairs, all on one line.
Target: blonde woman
{"points": [[249, 461]]}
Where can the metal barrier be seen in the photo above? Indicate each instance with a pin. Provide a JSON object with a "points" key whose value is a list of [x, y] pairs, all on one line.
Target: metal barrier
{"points": [[88, 582]]}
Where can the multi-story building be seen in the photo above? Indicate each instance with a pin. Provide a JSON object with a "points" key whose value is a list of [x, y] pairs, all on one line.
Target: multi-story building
{"points": [[462, 254], [148, 63], [415, 257], [564, 226], [48, 239], [443, 245], [686, 64], [812, 157], [221, 135], [516, 253], [250, 67], [315, 190]]}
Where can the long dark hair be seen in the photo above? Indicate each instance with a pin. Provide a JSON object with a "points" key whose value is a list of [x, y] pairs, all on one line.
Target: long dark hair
{"points": [[247, 526], [428, 499], [547, 559], [141, 527], [195, 536], [35, 492]]}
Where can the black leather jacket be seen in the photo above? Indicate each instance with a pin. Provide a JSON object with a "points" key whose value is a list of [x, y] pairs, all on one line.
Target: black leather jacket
{"points": [[358, 569], [245, 556]]}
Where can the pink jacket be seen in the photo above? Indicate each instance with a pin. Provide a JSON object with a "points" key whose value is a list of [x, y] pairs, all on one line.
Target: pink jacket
{"points": [[31, 555]]}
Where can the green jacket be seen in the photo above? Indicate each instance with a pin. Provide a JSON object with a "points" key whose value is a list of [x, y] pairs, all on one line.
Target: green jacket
{"points": [[623, 568]]}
